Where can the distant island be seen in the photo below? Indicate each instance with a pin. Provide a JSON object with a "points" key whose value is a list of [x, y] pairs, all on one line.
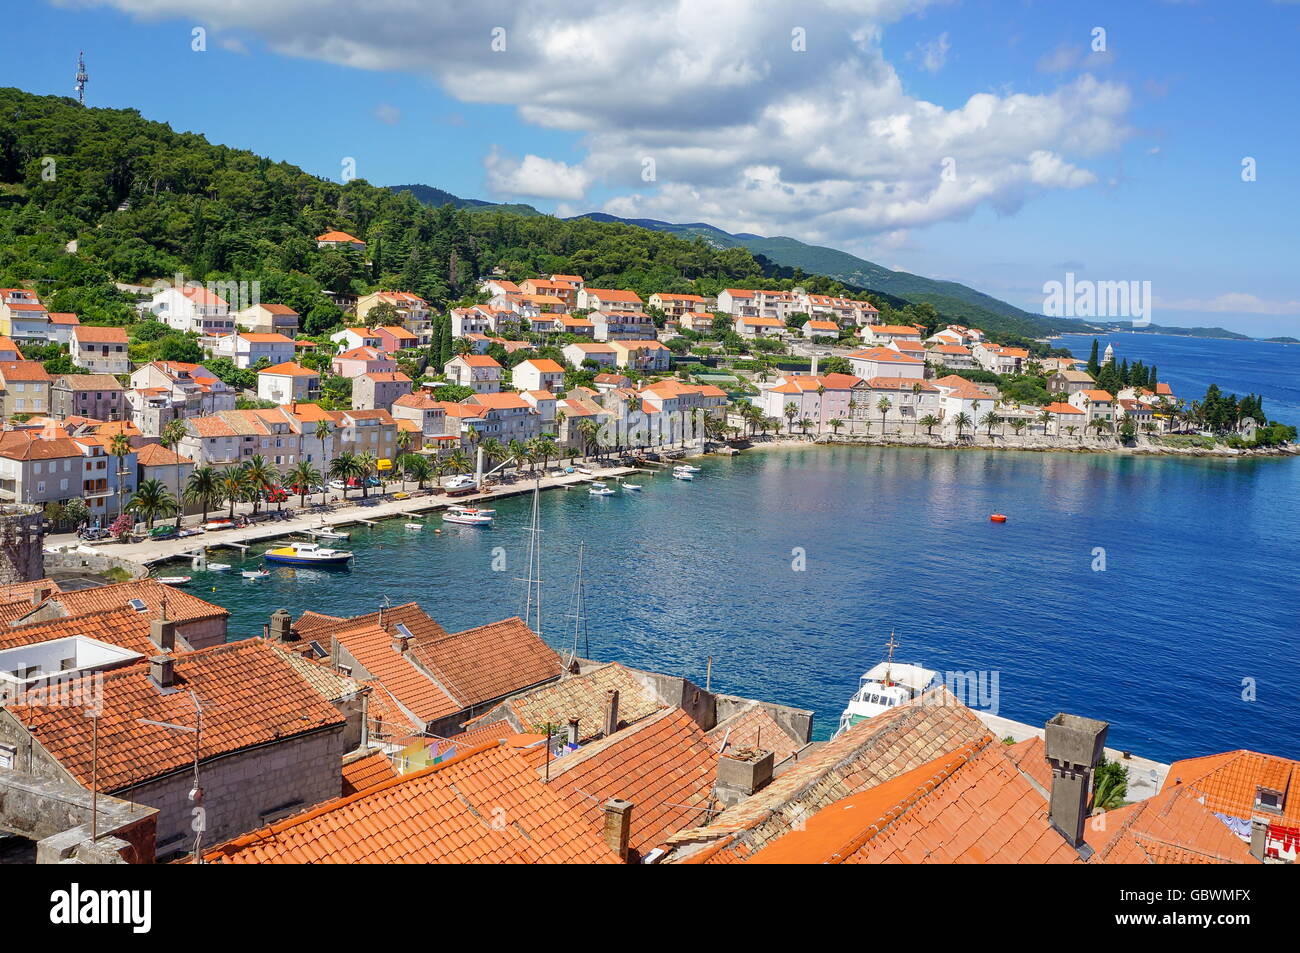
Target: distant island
{"points": [[1281, 340]]}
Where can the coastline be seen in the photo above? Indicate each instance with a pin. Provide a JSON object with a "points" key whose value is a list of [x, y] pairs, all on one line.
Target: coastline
{"points": [[1029, 444]]}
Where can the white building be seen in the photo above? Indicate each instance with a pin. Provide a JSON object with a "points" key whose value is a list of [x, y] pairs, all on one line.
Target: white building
{"points": [[885, 362], [192, 309], [478, 371], [246, 348], [538, 374]]}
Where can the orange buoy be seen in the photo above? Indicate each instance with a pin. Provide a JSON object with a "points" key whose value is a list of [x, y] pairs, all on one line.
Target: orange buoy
{"points": [[998, 518]]}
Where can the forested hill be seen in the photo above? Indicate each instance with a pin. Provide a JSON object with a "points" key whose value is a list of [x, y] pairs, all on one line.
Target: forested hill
{"points": [[142, 202]]}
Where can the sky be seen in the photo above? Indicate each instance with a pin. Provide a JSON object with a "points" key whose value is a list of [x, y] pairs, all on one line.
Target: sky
{"points": [[1000, 143]]}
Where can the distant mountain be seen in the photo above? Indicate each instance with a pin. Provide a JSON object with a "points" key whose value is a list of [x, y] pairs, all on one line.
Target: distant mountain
{"points": [[437, 197]]}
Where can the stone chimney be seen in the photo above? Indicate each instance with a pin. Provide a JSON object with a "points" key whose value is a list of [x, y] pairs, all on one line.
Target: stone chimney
{"points": [[162, 632], [401, 644], [1074, 746], [162, 670], [611, 711], [741, 773], [281, 626], [573, 732], [40, 594], [618, 825]]}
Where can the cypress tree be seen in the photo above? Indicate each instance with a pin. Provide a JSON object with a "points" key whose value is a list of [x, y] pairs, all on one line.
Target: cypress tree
{"points": [[447, 352], [1094, 366], [1152, 379]]}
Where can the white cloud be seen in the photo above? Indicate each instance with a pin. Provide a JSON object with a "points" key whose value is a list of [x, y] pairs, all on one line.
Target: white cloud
{"points": [[935, 53], [744, 130], [1235, 302], [534, 176], [388, 114]]}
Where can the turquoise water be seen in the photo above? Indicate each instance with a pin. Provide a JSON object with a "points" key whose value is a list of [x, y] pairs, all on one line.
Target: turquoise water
{"points": [[1197, 593]]}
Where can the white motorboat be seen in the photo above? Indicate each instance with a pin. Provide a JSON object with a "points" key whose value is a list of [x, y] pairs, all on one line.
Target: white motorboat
{"points": [[414, 525], [687, 468], [467, 516], [583, 470], [173, 580], [462, 483], [599, 489], [632, 486], [683, 475], [330, 534], [886, 686], [219, 524], [218, 567], [255, 573], [307, 554]]}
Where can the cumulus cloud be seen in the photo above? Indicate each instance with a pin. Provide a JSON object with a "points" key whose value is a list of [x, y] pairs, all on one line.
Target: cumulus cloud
{"points": [[747, 128], [935, 53]]}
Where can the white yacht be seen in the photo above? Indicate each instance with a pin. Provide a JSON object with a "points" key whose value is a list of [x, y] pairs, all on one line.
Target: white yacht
{"points": [[886, 685], [467, 516]]}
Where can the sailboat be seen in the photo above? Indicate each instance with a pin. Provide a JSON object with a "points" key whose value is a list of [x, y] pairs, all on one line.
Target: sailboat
{"points": [[885, 686]]}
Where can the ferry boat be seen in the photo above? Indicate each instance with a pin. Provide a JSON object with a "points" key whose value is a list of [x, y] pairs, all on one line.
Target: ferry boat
{"points": [[307, 554], [467, 516], [885, 686]]}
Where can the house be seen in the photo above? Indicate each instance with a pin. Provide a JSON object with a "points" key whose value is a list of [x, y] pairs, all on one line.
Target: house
{"points": [[578, 327], [615, 325], [163, 391], [269, 319], [1065, 415], [288, 382], [428, 414], [498, 287], [1138, 412], [565, 291], [738, 302], [881, 334], [246, 348], [609, 299], [22, 316], [478, 371], [959, 396], [905, 400], [505, 416], [885, 362], [644, 356], [701, 322], [200, 624], [998, 359], [608, 382], [9, 350], [957, 357], [1070, 382], [1096, 404], [362, 360], [393, 339], [412, 310], [819, 399], [599, 353], [339, 240], [61, 325], [156, 462], [538, 374], [26, 388], [99, 350], [674, 306], [751, 327], [88, 395], [192, 308], [816, 327], [271, 746], [350, 338], [48, 466], [378, 389], [475, 320]]}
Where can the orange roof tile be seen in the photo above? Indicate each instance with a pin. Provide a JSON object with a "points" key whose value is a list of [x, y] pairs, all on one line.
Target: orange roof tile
{"points": [[1230, 782], [363, 773], [488, 662], [181, 605]]}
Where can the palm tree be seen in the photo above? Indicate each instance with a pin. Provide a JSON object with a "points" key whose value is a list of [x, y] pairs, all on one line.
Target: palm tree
{"points": [[1018, 424], [962, 421], [835, 424], [804, 424], [1071, 429], [151, 500], [929, 422], [346, 467], [260, 476], [589, 431], [883, 406], [790, 413], [234, 487], [458, 462], [171, 437], [533, 448], [1045, 418], [990, 420], [304, 476], [547, 450], [120, 448], [416, 467], [204, 488], [369, 466], [493, 449]]}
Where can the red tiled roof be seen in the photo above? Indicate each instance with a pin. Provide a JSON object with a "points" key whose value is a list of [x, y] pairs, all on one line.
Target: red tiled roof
{"points": [[372, 647], [488, 662], [483, 806], [1173, 827], [1230, 782], [361, 774], [181, 605], [250, 696], [90, 334], [122, 627], [753, 728]]}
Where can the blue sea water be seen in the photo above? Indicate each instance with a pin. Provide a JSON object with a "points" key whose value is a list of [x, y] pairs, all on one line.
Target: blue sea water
{"points": [[1196, 601]]}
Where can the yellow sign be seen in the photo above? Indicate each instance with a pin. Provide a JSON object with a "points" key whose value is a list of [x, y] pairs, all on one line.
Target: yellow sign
{"points": [[385, 464]]}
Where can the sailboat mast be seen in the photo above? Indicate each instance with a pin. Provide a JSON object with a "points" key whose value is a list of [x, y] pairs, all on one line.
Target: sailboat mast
{"points": [[534, 599]]}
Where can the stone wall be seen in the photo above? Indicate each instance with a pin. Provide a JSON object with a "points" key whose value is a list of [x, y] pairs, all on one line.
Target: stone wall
{"points": [[76, 561], [22, 541]]}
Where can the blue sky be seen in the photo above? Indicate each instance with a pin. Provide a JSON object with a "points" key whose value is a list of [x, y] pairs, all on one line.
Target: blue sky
{"points": [[1117, 165]]}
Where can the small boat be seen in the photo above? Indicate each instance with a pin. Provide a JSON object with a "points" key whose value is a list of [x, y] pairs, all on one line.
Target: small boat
{"points": [[255, 573], [631, 486], [330, 534], [683, 475], [886, 685], [599, 489], [584, 471], [218, 567], [307, 554], [414, 525], [998, 518], [173, 580], [466, 516], [687, 468], [463, 483], [219, 524]]}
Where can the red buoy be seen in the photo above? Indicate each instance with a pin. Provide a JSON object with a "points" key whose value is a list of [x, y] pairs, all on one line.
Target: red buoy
{"points": [[998, 518]]}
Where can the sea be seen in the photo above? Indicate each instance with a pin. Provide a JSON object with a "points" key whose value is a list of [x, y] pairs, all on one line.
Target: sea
{"points": [[1157, 594]]}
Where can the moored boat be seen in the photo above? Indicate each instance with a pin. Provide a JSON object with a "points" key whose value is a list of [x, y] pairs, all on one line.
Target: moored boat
{"points": [[219, 524], [460, 485], [330, 534], [600, 489], [683, 475], [886, 686], [307, 554], [632, 486], [218, 567], [686, 467], [467, 516], [173, 580], [255, 573]]}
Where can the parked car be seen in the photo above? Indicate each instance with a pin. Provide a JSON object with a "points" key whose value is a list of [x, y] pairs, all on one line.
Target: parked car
{"points": [[93, 533]]}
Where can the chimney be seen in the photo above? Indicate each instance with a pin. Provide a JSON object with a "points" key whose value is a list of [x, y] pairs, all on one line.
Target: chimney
{"points": [[618, 825], [573, 732], [401, 644], [1074, 745], [611, 711], [40, 594], [162, 670], [741, 773], [162, 632], [281, 626]]}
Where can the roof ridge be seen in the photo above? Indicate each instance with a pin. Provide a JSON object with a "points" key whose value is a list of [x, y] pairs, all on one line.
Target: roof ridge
{"points": [[590, 750]]}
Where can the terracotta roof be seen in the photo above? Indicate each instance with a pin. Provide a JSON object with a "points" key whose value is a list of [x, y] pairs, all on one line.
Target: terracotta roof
{"points": [[181, 605], [1173, 827], [90, 334], [24, 371], [1097, 396], [885, 355], [871, 752], [488, 662], [289, 369], [22, 591], [386, 377], [753, 728], [415, 690], [122, 627], [88, 382], [901, 383], [543, 364], [25, 445], [249, 693], [156, 455], [614, 294], [502, 401], [338, 237], [664, 765], [63, 317], [483, 806], [1058, 407], [1229, 783], [365, 772], [477, 360]]}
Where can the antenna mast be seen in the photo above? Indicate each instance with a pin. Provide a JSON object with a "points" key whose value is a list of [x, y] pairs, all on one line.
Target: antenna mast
{"points": [[891, 645], [82, 77]]}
